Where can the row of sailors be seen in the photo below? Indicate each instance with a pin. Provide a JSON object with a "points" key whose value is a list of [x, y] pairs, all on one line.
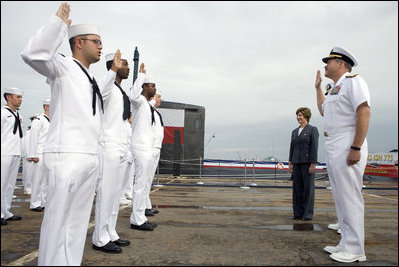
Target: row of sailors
{"points": [[86, 149]]}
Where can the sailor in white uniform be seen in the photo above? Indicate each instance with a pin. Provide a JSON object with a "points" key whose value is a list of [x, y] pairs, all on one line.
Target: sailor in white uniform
{"points": [[27, 164], [113, 162], [127, 192], [155, 102], [37, 138], [346, 111], [11, 146], [71, 148], [146, 130]]}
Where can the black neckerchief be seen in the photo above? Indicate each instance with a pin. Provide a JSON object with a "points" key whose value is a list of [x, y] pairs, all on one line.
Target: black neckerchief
{"points": [[46, 117], [126, 103], [17, 123], [152, 115], [96, 90]]}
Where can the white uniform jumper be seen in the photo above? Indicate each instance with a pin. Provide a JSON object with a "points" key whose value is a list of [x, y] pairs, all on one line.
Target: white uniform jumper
{"points": [[26, 165], [113, 161], [145, 134], [38, 134], [346, 181], [11, 142], [71, 148], [157, 153]]}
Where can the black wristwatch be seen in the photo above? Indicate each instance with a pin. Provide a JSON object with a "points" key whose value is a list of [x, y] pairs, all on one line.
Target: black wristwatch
{"points": [[355, 148]]}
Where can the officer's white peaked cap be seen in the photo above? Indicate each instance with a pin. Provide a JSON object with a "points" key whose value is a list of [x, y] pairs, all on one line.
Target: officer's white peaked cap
{"points": [[341, 53]]}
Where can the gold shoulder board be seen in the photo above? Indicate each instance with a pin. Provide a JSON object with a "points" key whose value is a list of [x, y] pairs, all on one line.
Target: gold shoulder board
{"points": [[351, 76]]}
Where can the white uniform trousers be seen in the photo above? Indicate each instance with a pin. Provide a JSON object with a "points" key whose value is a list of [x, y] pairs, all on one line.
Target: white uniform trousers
{"points": [[157, 153], [143, 167], [39, 184], [346, 185], [9, 172], [71, 184], [129, 179], [27, 176], [113, 167]]}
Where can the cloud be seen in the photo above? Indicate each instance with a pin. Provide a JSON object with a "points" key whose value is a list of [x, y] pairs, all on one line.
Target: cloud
{"points": [[250, 64]]}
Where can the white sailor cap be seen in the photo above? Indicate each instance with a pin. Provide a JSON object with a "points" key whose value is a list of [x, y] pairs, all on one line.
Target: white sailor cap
{"points": [[13, 91], [110, 57], [149, 80], [82, 29], [46, 101], [341, 53]]}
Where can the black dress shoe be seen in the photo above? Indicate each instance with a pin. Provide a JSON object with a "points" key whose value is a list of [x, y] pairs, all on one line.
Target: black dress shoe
{"points": [[14, 218], [147, 226], [108, 248], [149, 212], [121, 242], [296, 218], [155, 211], [152, 210], [155, 224], [3, 221], [38, 209], [306, 219]]}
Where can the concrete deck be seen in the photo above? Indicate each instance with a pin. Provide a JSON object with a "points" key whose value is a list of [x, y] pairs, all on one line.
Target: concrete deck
{"points": [[223, 224]]}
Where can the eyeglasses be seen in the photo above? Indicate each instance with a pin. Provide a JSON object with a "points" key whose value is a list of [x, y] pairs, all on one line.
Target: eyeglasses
{"points": [[96, 41]]}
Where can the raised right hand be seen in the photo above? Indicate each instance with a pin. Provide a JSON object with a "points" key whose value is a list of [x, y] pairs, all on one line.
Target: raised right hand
{"points": [[317, 84], [142, 69], [63, 13]]}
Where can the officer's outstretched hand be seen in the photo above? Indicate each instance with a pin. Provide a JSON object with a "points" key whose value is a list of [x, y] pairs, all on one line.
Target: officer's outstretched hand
{"points": [[63, 13]]}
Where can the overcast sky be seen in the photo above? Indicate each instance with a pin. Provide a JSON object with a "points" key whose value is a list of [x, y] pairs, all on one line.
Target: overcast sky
{"points": [[250, 64]]}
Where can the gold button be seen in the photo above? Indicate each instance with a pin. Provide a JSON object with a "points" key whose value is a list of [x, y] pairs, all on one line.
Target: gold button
{"points": [[325, 134]]}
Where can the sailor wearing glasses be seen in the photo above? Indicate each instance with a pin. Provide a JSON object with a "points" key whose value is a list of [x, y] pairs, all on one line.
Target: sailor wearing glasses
{"points": [[71, 149]]}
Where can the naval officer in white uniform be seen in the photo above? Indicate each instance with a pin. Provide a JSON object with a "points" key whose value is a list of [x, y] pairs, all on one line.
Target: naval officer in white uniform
{"points": [[113, 162], [11, 146], [37, 138], [346, 111], [71, 148], [147, 128]]}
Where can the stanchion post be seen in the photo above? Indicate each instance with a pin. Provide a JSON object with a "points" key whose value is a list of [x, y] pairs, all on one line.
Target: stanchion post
{"points": [[200, 177], [245, 175], [158, 185], [253, 173]]}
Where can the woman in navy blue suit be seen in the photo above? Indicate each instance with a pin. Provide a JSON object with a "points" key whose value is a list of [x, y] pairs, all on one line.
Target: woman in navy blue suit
{"points": [[302, 164]]}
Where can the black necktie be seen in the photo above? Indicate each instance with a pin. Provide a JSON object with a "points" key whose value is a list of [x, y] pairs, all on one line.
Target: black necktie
{"points": [[17, 123], [126, 103], [96, 90], [152, 115]]}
